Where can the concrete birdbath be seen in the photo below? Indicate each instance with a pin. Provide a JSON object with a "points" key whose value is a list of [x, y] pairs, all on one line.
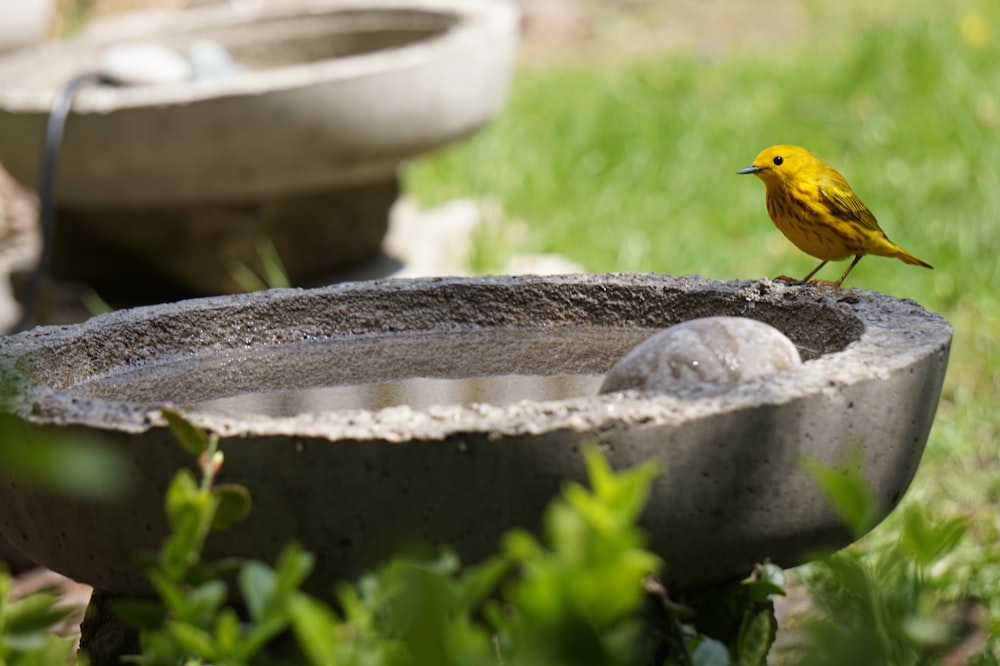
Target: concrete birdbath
{"points": [[165, 187], [369, 417]]}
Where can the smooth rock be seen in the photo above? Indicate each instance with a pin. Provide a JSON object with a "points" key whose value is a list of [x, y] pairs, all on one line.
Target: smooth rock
{"points": [[144, 64], [22, 23], [703, 354], [210, 59]]}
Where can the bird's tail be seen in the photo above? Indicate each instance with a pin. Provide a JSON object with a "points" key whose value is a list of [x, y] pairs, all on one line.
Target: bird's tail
{"points": [[890, 249]]}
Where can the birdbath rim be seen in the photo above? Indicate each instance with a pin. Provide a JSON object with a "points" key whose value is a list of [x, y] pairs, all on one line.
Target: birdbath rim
{"points": [[889, 332]]}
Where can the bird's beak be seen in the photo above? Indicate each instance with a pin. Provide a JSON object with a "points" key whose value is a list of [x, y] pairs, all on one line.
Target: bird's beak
{"points": [[750, 169]]}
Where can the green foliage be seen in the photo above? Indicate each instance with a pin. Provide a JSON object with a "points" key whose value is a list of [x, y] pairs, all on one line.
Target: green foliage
{"points": [[576, 592], [575, 596], [734, 625], [25, 636], [191, 620], [846, 488], [71, 463], [890, 606], [271, 268]]}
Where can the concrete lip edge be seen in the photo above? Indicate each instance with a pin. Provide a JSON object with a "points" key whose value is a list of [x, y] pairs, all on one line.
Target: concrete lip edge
{"points": [[475, 21], [911, 335]]}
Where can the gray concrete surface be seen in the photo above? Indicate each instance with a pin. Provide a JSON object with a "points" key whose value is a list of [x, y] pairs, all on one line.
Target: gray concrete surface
{"points": [[356, 485]]}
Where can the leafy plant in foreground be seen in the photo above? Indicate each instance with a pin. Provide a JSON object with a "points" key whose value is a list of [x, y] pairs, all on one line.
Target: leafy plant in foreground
{"points": [[888, 607], [25, 628], [575, 596]]}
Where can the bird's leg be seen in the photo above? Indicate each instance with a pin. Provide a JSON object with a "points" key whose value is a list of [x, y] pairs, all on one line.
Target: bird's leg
{"points": [[813, 272], [849, 269], [786, 278]]}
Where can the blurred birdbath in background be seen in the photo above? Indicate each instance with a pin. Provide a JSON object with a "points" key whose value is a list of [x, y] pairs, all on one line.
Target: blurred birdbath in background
{"points": [[21, 23], [164, 188]]}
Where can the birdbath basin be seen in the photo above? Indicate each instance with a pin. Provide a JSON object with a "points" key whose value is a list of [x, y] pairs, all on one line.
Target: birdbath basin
{"points": [[176, 182], [467, 404]]}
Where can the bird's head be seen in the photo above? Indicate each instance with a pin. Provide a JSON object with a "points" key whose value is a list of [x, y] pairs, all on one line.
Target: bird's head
{"points": [[780, 164]]}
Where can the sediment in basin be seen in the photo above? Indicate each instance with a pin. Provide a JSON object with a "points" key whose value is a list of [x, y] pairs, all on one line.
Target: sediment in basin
{"points": [[354, 485]]}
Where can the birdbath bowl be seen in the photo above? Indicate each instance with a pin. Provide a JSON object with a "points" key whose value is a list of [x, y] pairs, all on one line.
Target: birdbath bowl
{"points": [[370, 418], [173, 184]]}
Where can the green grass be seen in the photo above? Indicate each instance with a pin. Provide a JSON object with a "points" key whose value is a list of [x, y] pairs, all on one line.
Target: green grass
{"points": [[629, 166]]}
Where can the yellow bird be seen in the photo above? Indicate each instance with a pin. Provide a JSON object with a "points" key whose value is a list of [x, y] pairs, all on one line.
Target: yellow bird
{"points": [[812, 204]]}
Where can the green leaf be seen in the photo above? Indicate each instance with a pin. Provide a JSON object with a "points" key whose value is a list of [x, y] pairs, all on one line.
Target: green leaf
{"points": [[190, 511], [70, 462], [233, 505], [927, 539], [624, 492], [182, 492], [228, 632], [928, 632], [294, 567], [257, 585], [479, 582], [261, 633], [756, 638], [356, 612], [847, 491], [203, 602], [145, 615], [315, 627], [767, 580], [194, 641], [275, 274], [170, 592], [247, 280], [52, 651], [35, 612], [521, 545], [274, 269], [192, 438]]}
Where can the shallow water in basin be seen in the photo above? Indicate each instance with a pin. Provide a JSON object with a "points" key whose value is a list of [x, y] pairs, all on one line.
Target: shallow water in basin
{"points": [[373, 371], [415, 392]]}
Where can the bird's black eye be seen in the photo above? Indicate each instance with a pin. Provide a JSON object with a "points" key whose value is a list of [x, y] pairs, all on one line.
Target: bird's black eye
{"points": [[778, 160]]}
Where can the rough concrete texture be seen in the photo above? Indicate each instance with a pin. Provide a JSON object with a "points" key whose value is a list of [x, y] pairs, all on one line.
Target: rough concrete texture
{"points": [[355, 486], [333, 94]]}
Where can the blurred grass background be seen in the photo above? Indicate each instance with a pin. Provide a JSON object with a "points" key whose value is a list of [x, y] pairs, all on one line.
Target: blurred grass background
{"points": [[625, 161]]}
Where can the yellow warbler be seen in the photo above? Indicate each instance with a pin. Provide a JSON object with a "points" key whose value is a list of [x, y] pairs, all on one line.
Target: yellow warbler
{"points": [[812, 204]]}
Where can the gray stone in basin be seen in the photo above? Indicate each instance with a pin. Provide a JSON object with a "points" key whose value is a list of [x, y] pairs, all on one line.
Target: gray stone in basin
{"points": [[355, 486]]}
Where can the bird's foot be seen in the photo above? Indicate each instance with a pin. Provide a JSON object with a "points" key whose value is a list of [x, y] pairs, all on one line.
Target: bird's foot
{"points": [[818, 283]]}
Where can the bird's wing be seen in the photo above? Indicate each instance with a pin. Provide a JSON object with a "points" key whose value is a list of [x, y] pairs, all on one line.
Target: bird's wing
{"points": [[844, 203]]}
